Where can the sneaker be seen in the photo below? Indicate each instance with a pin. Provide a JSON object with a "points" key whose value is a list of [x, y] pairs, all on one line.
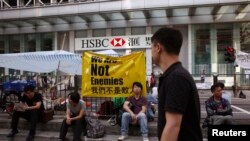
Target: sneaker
{"points": [[85, 138], [122, 137], [12, 133], [145, 139]]}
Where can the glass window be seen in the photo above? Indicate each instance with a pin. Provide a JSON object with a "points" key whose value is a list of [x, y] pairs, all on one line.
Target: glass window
{"points": [[63, 40], [155, 28], [99, 32], [224, 39], [14, 47], [14, 44], [201, 49], [47, 41], [245, 37], [138, 31], [30, 43], [81, 34], [118, 31]]}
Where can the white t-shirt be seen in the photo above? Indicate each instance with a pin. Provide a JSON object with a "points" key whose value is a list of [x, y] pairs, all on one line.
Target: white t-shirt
{"points": [[155, 92]]}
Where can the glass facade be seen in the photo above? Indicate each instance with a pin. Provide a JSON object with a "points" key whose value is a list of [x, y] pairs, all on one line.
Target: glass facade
{"points": [[46, 42], [224, 36], [30, 43], [118, 32], [209, 43], [14, 44], [201, 45]]}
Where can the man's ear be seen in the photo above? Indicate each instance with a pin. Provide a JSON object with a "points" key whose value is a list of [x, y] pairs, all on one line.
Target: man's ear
{"points": [[159, 47]]}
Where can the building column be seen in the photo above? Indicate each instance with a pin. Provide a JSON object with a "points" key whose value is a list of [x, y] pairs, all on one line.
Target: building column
{"points": [[38, 42], [190, 58], [90, 33], [148, 55], [214, 56], [56, 41], [71, 41], [22, 47], [108, 31], [128, 32], [6, 50]]}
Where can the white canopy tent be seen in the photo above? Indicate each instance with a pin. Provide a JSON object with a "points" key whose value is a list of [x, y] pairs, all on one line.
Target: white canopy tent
{"points": [[47, 61], [43, 62]]}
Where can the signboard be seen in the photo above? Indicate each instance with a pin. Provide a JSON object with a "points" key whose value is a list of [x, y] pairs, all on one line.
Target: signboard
{"points": [[107, 76], [112, 42], [243, 59]]}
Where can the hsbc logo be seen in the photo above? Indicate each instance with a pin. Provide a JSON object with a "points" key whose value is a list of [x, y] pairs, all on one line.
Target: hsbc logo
{"points": [[117, 42]]}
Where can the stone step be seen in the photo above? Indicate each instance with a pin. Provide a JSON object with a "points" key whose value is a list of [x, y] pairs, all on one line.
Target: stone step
{"points": [[53, 136], [55, 124]]}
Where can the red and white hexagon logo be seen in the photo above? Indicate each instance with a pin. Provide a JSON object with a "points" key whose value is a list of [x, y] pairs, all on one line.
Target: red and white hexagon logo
{"points": [[117, 42]]}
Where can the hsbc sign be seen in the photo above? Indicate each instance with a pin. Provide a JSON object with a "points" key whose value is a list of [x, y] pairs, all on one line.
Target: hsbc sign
{"points": [[113, 42]]}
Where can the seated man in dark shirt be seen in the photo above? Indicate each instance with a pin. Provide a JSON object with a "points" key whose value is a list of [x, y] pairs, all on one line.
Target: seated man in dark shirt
{"points": [[218, 108], [135, 113], [31, 108]]}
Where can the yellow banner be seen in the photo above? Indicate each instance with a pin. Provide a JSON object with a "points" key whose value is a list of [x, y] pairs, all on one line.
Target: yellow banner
{"points": [[107, 76]]}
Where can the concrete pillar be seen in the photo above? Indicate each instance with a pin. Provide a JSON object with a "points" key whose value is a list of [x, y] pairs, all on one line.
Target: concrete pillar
{"points": [[190, 59], [213, 44], [108, 32], [148, 55], [56, 41], [38, 42], [90, 33], [7, 50], [72, 41]]}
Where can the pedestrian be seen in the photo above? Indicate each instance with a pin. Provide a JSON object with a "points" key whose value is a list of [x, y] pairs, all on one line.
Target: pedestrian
{"points": [[152, 80], [31, 108], [135, 108], [218, 109], [178, 99], [75, 116], [203, 76]]}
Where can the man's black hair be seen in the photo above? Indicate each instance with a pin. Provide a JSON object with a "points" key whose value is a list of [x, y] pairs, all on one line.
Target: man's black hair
{"points": [[216, 85], [75, 97], [138, 84], [221, 85], [170, 38], [28, 87]]}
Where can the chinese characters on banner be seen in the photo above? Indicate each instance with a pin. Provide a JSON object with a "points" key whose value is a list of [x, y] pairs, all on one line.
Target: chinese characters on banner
{"points": [[107, 76]]}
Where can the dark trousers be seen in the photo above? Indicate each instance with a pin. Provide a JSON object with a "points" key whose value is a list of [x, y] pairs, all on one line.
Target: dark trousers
{"points": [[78, 127], [32, 116]]}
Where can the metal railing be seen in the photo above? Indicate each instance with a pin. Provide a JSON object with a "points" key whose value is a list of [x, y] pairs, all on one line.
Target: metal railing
{"points": [[55, 94], [10, 4]]}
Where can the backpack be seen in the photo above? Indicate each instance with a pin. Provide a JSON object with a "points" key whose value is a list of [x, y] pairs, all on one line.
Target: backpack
{"points": [[94, 129], [106, 110], [242, 95]]}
